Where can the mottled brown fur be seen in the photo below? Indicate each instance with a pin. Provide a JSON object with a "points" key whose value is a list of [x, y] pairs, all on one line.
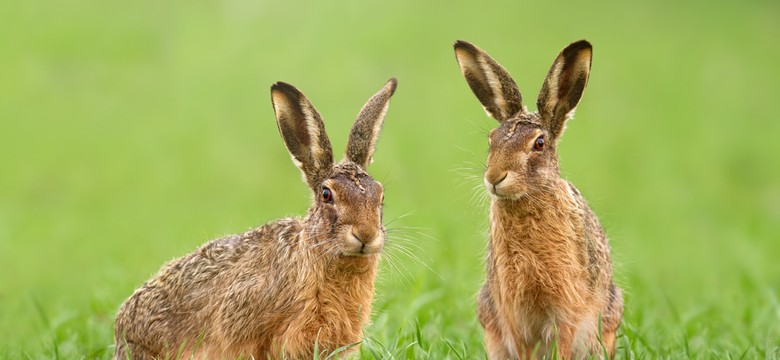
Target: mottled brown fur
{"points": [[549, 271], [276, 290]]}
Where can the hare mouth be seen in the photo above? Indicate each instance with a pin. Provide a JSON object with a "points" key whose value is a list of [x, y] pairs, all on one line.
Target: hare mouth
{"points": [[358, 254], [501, 192], [506, 194], [357, 248], [506, 190], [364, 252]]}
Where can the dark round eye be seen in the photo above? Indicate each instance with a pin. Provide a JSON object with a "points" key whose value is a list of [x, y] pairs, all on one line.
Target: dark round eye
{"points": [[539, 143], [327, 195]]}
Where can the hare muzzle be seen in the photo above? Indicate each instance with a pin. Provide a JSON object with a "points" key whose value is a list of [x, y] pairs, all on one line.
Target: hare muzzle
{"points": [[363, 242], [504, 185], [494, 181]]}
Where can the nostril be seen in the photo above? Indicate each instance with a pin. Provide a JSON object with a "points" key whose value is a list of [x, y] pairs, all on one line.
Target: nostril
{"points": [[495, 180], [358, 238], [365, 237], [501, 179]]}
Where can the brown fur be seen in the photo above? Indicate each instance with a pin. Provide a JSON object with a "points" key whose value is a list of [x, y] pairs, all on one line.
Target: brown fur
{"points": [[276, 290], [549, 271]]}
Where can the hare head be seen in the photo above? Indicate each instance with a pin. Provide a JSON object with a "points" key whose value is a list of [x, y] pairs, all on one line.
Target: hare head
{"points": [[346, 215], [522, 157]]}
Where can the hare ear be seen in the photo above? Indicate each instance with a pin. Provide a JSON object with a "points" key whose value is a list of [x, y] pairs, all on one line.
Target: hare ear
{"points": [[564, 86], [303, 132], [489, 81], [363, 136]]}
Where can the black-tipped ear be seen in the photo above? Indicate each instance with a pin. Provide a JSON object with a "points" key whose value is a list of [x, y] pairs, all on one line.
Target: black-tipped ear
{"points": [[365, 132], [489, 81], [303, 132], [564, 85]]}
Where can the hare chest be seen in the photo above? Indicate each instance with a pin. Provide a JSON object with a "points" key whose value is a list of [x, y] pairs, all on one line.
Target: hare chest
{"points": [[538, 280]]}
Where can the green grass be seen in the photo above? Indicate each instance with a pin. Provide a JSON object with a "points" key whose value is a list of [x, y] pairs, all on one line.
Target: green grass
{"points": [[131, 132]]}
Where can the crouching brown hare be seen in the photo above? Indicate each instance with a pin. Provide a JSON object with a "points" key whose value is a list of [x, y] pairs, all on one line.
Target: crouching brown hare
{"points": [[288, 287], [549, 285]]}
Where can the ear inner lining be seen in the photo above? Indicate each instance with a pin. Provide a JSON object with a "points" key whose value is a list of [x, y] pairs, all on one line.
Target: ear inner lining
{"points": [[303, 132], [489, 81], [365, 132]]}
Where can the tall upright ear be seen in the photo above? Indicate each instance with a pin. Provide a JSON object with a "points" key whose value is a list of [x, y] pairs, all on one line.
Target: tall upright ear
{"points": [[564, 85], [363, 136], [489, 81], [303, 132]]}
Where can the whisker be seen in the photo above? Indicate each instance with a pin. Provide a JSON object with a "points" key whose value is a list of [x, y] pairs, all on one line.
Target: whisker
{"points": [[400, 217], [409, 230], [414, 257], [404, 276], [408, 243], [471, 153]]}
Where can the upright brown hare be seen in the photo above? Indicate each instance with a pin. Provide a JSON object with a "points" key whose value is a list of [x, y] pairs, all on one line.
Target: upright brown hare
{"points": [[277, 290], [549, 273]]}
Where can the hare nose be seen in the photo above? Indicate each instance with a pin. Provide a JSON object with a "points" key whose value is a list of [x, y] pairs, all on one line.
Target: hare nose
{"points": [[364, 236], [495, 178]]}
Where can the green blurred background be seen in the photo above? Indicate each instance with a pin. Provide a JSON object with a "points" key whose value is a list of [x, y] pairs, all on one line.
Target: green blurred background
{"points": [[133, 131]]}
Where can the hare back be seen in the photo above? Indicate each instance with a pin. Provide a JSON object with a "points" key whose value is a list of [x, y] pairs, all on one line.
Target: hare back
{"points": [[596, 244], [183, 304]]}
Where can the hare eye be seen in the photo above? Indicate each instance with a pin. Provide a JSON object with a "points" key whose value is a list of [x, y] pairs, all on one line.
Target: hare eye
{"points": [[539, 143], [327, 195]]}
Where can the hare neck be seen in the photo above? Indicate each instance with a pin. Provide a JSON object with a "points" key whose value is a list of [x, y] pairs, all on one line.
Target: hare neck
{"points": [[339, 292], [532, 221], [349, 282], [339, 300]]}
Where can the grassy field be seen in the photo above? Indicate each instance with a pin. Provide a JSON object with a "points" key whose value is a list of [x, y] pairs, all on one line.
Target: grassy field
{"points": [[131, 132]]}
